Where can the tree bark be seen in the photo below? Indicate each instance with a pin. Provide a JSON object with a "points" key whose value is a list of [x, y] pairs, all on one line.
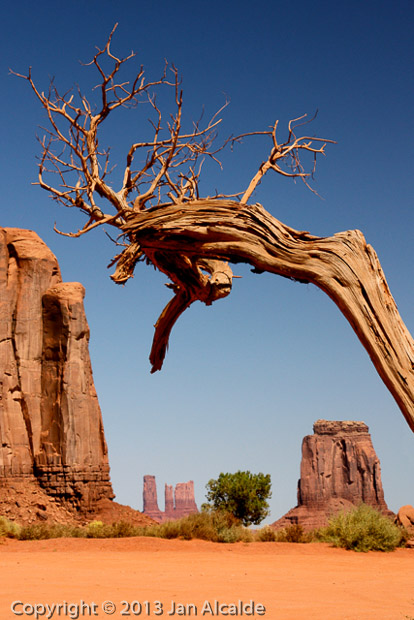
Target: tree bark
{"points": [[344, 266]]}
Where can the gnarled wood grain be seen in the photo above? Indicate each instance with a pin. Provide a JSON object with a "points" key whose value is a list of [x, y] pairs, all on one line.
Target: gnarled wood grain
{"points": [[344, 266]]}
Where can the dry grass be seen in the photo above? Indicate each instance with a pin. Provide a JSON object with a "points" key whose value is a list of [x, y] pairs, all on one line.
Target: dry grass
{"points": [[362, 529]]}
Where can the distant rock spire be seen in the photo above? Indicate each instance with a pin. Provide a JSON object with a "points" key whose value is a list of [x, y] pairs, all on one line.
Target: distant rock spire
{"points": [[178, 503], [169, 499], [150, 498], [184, 499]]}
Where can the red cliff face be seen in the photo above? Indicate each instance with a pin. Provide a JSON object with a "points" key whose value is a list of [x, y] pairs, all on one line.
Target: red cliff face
{"points": [[339, 469], [178, 504], [51, 427]]}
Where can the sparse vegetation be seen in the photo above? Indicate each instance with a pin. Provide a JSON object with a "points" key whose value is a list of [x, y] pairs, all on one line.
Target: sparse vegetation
{"points": [[266, 534], [8, 529], [213, 525], [292, 534], [362, 529], [43, 531]]}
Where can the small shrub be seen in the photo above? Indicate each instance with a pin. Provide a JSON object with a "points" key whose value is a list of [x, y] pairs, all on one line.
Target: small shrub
{"points": [[228, 535], [293, 534], [362, 529], [122, 529], [150, 530], [36, 531], [266, 534], [170, 529], [213, 525], [226, 527], [98, 529], [43, 531], [60, 530], [8, 528], [95, 529], [296, 534]]}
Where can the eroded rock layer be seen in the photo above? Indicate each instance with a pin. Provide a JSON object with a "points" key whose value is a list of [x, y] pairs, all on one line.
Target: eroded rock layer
{"points": [[339, 469], [50, 422]]}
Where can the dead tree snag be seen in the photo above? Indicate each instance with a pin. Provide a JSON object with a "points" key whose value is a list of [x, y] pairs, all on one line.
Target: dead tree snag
{"points": [[164, 221]]}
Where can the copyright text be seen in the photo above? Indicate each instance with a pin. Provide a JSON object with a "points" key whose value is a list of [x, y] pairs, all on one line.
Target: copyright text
{"points": [[137, 608]]}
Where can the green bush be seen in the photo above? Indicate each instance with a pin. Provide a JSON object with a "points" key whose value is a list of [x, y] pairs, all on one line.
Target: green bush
{"points": [[242, 494], [362, 529], [8, 528]]}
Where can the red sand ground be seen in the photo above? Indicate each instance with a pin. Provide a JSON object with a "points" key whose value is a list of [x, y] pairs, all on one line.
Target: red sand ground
{"points": [[293, 581]]}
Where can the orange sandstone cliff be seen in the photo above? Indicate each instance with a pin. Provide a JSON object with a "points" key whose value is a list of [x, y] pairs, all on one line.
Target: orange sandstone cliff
{"points": [[51, 431]]}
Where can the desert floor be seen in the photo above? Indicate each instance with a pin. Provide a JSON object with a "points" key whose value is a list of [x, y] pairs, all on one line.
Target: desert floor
{"points": [[292, 581]]}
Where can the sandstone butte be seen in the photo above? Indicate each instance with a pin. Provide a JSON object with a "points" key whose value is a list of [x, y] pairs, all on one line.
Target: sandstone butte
{"points": [[179, 502], [53, 453], [339, 469]]}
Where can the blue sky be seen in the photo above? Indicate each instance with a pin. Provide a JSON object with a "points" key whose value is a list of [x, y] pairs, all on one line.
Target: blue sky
{"points": [[245, 379]]}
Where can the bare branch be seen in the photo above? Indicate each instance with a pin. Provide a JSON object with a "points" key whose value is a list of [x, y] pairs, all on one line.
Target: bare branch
{"points": [[82, 168], [170, 168], [90, 226], [287, 152]]}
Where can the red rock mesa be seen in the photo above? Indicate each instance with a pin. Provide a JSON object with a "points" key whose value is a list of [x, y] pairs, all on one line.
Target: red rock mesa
{"points": [[339, 469], [178, 504]]}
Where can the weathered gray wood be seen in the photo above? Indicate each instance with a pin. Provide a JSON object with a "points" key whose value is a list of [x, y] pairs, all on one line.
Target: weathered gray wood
{"points": [[344, 266]]}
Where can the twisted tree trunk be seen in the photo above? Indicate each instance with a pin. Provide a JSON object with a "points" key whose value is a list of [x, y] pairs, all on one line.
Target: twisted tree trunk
{"points": [[344, 266]]}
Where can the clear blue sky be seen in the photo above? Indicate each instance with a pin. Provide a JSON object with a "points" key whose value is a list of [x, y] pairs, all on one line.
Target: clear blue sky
{"points": [[245, 379]]}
